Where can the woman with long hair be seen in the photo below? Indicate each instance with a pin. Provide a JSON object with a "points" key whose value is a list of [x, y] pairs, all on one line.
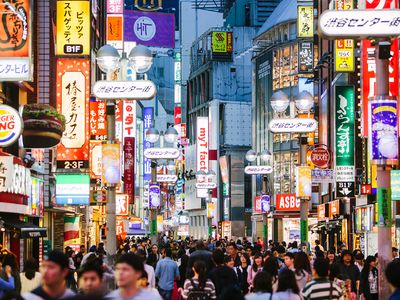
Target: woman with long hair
{"points": [[262, 287], [242, 269], [369, 279], [287, 286], [302, 268], [271, 266], [30, 277], [199, 282], [254, 269]]}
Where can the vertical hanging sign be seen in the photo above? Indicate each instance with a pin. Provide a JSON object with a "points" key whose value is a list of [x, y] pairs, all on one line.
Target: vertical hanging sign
{"points": [[344, 133], [305, 21], [344, 49], [147, 124]]}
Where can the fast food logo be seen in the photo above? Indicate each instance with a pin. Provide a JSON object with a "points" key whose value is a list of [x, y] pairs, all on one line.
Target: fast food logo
{"points": [[10, 125]]}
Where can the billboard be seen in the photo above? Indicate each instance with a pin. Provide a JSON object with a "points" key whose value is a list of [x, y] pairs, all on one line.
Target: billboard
{"points": [[97, 120], [202, 144], [221, 44], [15, 37], [129, 168], [73, 28], [73, 102], [344, 133], [149, 29], [72, 189], [305, 21], [147, 123], [287, 202], [129, 118], [115, 31], [121, 205]]}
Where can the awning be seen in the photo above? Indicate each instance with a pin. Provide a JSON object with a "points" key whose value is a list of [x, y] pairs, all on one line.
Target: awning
{"points": [[137, 231], [26, 230]]}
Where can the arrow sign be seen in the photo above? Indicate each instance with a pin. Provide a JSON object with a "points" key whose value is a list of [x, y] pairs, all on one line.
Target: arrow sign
{"points": [[344, 189]]}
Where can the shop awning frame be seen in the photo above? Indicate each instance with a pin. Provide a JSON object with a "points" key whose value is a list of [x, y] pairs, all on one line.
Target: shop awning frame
{"points": [[26, 230]]}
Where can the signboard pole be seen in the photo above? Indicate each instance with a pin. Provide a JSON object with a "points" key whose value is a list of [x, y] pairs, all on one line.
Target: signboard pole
{"points": [[303, 201], [153, 211], [383, 178]]}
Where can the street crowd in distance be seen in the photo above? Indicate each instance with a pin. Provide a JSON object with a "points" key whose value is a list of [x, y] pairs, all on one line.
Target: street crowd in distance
{"points": [[198, 270]]}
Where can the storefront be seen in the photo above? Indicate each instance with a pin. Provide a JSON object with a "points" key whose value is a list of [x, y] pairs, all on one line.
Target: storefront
{"points": [[337, 225]]}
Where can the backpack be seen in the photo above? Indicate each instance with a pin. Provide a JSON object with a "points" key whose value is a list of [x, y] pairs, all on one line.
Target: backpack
{"points": [[197, 293]]}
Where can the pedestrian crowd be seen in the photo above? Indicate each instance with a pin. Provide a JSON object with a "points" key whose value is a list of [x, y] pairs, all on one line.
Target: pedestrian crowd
{"points": [[198, 270]]}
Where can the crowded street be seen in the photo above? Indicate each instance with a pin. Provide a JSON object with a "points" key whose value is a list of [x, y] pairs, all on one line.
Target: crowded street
{"points": [[199, 149]]}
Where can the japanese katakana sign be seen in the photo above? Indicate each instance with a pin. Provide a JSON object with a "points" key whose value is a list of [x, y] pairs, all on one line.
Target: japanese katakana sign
{"points": [[97, 120], [359, 23], [73, 28], [135, 90], [344, 133], [256, 170], [344, 49], [161, 153], [295, 125]]}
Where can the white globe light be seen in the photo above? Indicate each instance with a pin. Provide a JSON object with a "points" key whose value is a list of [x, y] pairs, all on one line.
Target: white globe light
{"points": [[251, 155], [265, 155], [107, 58], [304, 101], [387, 146], [171, 135], [141, 58], [171, 166], [112, 175], [152, 135], [279, 101]]}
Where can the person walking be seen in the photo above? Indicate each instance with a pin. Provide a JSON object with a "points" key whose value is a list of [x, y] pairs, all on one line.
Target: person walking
{"points": [[90, 279], [349, 270], [54, 274], [243, 271], [30, 278], [287, 286], [302, 269], [369, 279], [254, 269], [166, 272], [271, 266], [198, 287], [200, 253], [222, 276], [10, 259], [6, 285], [262, 287], [321, 287], [392, 274]]}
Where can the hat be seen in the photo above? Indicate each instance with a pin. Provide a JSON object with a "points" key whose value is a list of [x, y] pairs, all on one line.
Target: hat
{"points": [[93, 248], [59, 258]]}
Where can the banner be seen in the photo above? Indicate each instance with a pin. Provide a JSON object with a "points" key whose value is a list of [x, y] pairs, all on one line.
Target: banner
{"points": [[306, 57], [73, 28], [147, 123], [395, 184], [129, 118], [202, 144], [384, 207], [129, 168], [154, 195], [383, 132], [71, 231], [96, 159], [121, 205], [305, 21], [97, 120], [115, 29], [303, 182], [344, 49], [149, 29], [111, 167], [15, 37], [72, 89], [344, 144]]}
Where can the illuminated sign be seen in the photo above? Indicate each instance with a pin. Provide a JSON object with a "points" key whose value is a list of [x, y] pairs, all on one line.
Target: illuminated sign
{"points": [[222, 45], [111, 164], [202, 144], [303, 182], [73, 28], [295, 125], [73, 102], [129, 119], [305, 21], [167, 178], [14, 178], [287, 202], [206, 185], [160, 153], [255, 170], [121, 205], [73, 189], [147, 123], [135, 90], [10, 125], [115, 36]]}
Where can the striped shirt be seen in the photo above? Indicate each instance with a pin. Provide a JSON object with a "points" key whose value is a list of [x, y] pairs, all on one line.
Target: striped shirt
{"points": [[321, 289], [209, 288]]}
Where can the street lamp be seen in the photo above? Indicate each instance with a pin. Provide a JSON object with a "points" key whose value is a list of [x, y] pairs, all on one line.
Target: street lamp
{"points": [[108, 59], [279, 101], [141, 59], [304, 101]]}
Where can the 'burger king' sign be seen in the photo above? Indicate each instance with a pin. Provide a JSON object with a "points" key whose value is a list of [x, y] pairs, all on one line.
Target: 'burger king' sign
{"points": [[10, 125]]}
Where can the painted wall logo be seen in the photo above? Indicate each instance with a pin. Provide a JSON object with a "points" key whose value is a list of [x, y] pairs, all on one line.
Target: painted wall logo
{"points": [[10, 125], [144, 28]]}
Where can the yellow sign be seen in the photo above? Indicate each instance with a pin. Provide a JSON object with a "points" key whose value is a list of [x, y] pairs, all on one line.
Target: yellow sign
{"points": [[344, 49], [305, 21], [73, 28], [303, 182], [219, 42]]}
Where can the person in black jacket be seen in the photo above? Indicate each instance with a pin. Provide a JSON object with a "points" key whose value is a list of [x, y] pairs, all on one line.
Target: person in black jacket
{"points": [[201, 253], [222, 276], [369, 279]]}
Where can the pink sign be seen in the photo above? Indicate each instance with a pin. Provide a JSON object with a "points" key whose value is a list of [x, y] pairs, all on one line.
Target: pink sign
{"points": [[115, 6]]}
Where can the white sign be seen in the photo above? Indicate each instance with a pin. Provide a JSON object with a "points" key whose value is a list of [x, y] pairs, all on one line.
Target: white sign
{"points": [[206, 185], [14, 178], [15, 69], [97, 159], [322, 176], [255, 170], [161, 153], [135, 90], [121, 205], [149, 33], [345, 173], [129, 119], [10, 125], [202, 144], [359, 23], [167, 178], [295, 125]]}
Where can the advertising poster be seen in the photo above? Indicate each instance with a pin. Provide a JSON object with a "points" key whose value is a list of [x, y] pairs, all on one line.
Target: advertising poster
{"points": [[72, 189], [154, 195], [111, 167], [306, 57], [115, 31], [265, 203], [395, 184], [15, 48], [221, 45], [73, 102], [73, 28], [147, 123], [383, 132], [305, 21], [303, 182], [149, 29]]}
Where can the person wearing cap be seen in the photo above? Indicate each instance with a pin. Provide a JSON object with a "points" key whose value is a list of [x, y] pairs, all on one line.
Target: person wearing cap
{"points": [[128, 270], [395, 252], [54, 273], [92, 250], [349, 270]]}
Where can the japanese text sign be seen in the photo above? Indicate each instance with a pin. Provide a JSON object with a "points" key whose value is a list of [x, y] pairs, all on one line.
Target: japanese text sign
{"points": [[129, 118], [129, 168], [137, 90], [297, 125], [73, 28], [321, 212], [334, 209], [95, 159], [381, 4], [383, 132], [360, 23], [344, 55], [147, 123], [115, 6], [306, 57], [287, 202], [149, 29], [97, 120], [344, 133], [221, 44], [73, 102], [305, 21], [115, 31], [121, 205]]}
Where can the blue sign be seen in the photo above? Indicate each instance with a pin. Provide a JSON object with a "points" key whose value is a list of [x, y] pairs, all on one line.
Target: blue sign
{"points": [[72, 189], [148, 123]]}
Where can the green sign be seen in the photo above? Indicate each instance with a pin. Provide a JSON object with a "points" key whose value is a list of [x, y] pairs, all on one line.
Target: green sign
{"points": [[304, 231], [225, 189], [384, 207], [154, 227], [344, 133], [395, 184]]}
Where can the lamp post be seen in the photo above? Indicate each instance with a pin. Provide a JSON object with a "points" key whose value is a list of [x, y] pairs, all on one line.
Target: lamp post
{"points": [[152, 136], [304, 103], [264, 156], [109, 60]]}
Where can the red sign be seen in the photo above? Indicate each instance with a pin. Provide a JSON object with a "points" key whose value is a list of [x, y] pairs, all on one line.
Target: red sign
{"points": [[97, 120], [257, 204], [320, 157], [129, 168], [178, 115], [368, 66], [334, 209], [287, 202], [129, 117], [183, 131], [366, 189], [120, 229]]}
